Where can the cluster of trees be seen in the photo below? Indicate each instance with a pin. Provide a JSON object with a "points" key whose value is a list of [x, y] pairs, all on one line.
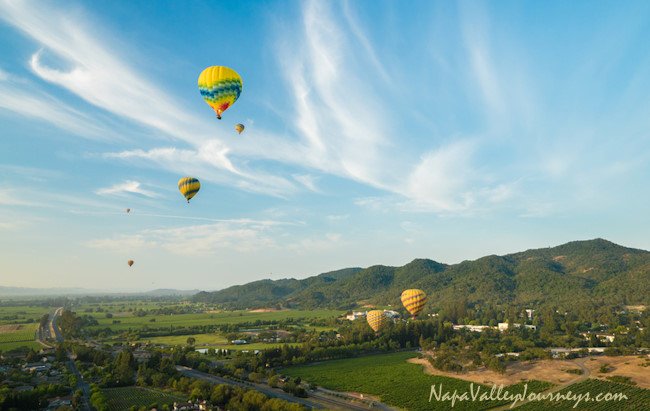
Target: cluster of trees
{"points": [[32, 399], [71, 325], [98, 399]]}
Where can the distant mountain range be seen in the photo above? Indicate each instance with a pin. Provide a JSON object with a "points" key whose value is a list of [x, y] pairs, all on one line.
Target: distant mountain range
{"points": [[56, 292], [583, 274]]}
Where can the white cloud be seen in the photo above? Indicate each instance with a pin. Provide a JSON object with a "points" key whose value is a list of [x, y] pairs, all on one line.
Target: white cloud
{"points": [[202, 239], [306, 180], [129, 186], [36, 104], [342, 126]]}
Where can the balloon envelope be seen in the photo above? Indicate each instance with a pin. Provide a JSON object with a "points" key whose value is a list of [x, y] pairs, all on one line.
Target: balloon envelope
{"points": [[130, 263], [376, 319], [414, 300], [220, 87], [239, 127], [128, 210], [189, 186]]}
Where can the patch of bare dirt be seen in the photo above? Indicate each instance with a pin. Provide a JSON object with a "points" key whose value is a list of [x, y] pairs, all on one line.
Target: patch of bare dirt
{"points": [[625, 366], [559, 257], [554, 371]]}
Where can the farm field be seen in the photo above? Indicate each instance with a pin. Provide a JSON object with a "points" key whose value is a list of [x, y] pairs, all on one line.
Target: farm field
{"points": [[14, 336], [219, 318], [202, 340], [20, 314], [120, 399], [394, 380], [638, 398]]}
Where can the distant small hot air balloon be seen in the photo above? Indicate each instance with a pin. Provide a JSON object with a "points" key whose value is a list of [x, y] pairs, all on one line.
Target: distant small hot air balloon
{"points": [[376, 319], [128, 210], [239, 128], [130, 263], [189, 186], [414, 301], [220, 87]]}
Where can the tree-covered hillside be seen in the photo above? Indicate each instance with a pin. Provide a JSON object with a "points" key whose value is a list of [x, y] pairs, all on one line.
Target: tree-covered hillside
{"points": [[581, 276]]}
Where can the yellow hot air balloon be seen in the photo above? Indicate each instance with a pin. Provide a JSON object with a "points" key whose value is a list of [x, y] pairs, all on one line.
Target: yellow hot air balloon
{"points": [[220, 87], [414, 300], [376, 319], [239, 128], [188, 186], [130, 263]]}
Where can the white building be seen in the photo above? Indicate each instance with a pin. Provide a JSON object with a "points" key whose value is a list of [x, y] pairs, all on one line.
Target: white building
{"points": [[529, 313], [391, 314], [475, 328], [504, 326], [355, 315], [606, 337]]}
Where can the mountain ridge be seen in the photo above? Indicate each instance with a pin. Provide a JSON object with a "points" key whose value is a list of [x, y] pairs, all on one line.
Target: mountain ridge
{"points": [[582, 273]]}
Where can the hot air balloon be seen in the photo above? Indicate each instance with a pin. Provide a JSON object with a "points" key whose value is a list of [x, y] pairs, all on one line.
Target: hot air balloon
{"points": [[414, 300], [130, 263], [128, 210], [376, 319], [220, 87], [188, 186], [239, 128]]}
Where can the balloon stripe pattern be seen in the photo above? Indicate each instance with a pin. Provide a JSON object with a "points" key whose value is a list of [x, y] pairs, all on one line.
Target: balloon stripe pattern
{"points": [[220, 87], [414, 300], [188, 186], [376, 319]]}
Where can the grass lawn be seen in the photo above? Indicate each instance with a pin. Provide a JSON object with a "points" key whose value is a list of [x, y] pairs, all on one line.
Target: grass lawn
{"points": [[395, 381], [122, 398]]}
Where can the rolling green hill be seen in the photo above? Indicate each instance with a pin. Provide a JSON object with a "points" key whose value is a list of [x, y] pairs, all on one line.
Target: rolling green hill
{"points": [[580, 275]]}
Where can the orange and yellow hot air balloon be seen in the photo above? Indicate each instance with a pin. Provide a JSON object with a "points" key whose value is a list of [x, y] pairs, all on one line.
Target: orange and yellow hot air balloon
{"points": [[220, 87], [376, 319], [414, 301], [239, 128], [130, 263]]}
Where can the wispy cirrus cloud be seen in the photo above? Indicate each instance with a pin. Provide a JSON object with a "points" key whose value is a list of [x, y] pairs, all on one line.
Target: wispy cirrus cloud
{"points": [[343, 125], [240, 235], [24, 98], [127, 187]]}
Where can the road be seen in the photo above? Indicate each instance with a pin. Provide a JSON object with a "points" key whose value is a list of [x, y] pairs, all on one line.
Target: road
{"points": [[555, 388], [81, 384], [316, 400]]}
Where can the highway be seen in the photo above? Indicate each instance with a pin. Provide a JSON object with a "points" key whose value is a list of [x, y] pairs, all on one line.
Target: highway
{"points": [[317, 400], [81, 384]]}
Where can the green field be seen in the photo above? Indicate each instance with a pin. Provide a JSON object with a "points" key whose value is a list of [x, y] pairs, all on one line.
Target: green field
{"points": [[210, 341], [395, 381], [218, 318], [20, 314], [202, 340], [23, 337], [120, 399], [638, 398]]}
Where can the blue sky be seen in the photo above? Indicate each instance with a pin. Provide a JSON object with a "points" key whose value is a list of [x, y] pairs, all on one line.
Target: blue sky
{"points": [[376, 132]]}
